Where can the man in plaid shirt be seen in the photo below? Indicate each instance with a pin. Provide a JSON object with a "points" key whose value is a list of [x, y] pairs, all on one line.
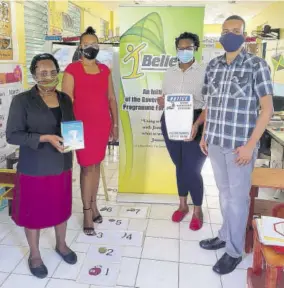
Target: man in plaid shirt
{"points": [[236, 85]]}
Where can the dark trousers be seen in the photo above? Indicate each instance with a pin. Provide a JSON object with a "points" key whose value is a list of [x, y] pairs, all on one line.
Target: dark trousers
{"points": [[189, 160]]}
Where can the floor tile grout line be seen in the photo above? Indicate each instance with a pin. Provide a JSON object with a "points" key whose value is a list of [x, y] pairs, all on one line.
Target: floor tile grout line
{"points": [[135, 285], [179, 251]]}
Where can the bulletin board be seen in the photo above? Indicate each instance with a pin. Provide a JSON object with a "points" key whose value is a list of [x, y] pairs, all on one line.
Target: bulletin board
{"points": [[275, 59]]}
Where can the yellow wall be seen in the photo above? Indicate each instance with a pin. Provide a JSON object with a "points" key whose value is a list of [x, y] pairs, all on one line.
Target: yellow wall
{"points": [[272, 15], [56, 8], [20, 35], [212, 29], [91, 20], [20, 31], [92, 13]]}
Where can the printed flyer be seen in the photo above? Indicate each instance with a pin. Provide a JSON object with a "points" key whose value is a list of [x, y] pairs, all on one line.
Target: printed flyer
{"points": [[6, 43], [10, 85], [147, 50], [179, 116]]}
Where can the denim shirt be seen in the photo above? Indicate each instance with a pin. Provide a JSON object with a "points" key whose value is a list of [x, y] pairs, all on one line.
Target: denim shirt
{"points": [[29, 118]]}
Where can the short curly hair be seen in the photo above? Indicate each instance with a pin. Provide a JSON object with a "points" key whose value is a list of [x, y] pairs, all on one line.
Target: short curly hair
{"points": [[40, 57], [190, 36]]}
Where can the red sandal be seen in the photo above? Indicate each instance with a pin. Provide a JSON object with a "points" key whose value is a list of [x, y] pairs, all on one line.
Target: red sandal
{"points": [[178, 216], [196, 223]]}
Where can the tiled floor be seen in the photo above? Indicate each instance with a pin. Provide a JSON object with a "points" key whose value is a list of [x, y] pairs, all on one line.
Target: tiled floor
{"points": [[136, 246]]}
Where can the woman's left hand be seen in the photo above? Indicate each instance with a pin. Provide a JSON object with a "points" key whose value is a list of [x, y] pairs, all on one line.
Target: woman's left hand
{"points": [[114, 133]]}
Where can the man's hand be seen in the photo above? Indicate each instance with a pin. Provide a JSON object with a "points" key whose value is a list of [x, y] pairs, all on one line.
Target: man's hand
{"points": [[203, 146], [194, 131], [161, 101], [244, 155]]}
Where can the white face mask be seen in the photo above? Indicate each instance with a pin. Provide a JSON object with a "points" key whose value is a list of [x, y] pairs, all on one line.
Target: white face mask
{"points": [[185, 56]]}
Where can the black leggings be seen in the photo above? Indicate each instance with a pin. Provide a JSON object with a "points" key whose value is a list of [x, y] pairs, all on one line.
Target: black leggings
{"points": [[189, 160]]}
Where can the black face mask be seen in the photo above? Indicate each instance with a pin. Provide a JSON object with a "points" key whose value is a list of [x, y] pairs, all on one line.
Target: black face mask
{"points": [[90, 53]]}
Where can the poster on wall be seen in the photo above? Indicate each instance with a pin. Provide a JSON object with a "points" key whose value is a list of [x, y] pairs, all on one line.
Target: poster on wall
{"points": [[147, 50], [6, 39], [275, 58], [11, 84]]}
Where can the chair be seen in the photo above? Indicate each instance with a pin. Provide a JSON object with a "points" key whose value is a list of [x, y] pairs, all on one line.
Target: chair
{"points": [[111, 146], [104, 182], [267, 270], [262, 178], [7, 181], [278, 211]]}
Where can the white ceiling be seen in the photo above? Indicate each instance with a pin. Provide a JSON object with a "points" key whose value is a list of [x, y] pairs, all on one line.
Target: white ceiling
{"points": [[216, 11]]}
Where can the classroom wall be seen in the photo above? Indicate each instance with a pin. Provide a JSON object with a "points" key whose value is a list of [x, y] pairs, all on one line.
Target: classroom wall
{"points": [[20, 35], [55, 15], [209, 29], [212, 29], [92, 13], [272, 15], [91, 20]]}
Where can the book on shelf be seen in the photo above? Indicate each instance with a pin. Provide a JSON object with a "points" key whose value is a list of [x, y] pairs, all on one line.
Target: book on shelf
{"points": [[73, 135], [270, 231]]}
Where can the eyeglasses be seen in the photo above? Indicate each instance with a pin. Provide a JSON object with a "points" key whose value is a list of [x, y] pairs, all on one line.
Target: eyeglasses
{"points": [[186, 48], [47, 74]]}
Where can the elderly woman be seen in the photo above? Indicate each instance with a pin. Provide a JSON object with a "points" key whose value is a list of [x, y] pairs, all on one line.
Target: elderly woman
{"points": [[43, 191]]}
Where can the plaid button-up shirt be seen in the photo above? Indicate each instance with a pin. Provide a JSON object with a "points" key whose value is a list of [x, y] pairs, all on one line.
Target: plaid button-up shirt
{"points": [[232, 94]]}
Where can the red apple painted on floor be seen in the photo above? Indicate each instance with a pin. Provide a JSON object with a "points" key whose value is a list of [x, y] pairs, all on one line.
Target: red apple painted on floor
{"points": [[97, 270]]}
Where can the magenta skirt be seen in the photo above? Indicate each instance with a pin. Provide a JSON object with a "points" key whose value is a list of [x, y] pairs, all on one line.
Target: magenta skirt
{"points": [[42, 201]]}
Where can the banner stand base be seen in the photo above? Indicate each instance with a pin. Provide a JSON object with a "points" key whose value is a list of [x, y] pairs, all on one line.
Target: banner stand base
{"points": [[149, 198]]}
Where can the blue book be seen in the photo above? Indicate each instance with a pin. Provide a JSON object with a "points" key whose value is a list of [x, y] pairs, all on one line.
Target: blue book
{"points": [[73, 135]]}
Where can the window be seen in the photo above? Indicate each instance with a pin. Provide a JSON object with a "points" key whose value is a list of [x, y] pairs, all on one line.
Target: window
{"points": [[36, 28], [72, 20], [104, 29]]}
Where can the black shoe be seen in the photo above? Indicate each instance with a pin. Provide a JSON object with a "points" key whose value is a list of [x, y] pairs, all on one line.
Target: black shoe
{"points": [[212, 244], [39, 272], [98, 219], [226, 264], [70, 258]]}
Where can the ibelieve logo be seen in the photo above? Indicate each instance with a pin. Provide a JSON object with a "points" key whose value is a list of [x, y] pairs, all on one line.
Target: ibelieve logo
{"points": [[147, 62], [157, 63]]}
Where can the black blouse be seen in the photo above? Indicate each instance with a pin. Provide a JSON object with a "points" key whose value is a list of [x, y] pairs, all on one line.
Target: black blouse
{"points": [[58, 117], [29, 118]]}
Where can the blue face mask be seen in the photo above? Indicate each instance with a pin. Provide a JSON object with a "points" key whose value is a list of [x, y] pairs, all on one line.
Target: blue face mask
{"points": [[185, 56], [232, 42]]}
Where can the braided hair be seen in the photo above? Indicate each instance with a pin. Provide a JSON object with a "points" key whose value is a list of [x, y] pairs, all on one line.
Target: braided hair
{"points": [[89, 31], [40, 57]]}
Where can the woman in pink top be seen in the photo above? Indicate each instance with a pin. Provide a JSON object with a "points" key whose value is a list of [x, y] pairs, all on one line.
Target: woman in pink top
{"points": [[89, 84]]}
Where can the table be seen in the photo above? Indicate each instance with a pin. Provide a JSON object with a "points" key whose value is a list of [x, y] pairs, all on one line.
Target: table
{"points": [[277, 151], [272, 275], [11, 160], [261, 178]]}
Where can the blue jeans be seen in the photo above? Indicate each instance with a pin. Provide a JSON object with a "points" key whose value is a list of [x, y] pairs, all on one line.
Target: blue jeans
{"points": [[234, 183]]}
